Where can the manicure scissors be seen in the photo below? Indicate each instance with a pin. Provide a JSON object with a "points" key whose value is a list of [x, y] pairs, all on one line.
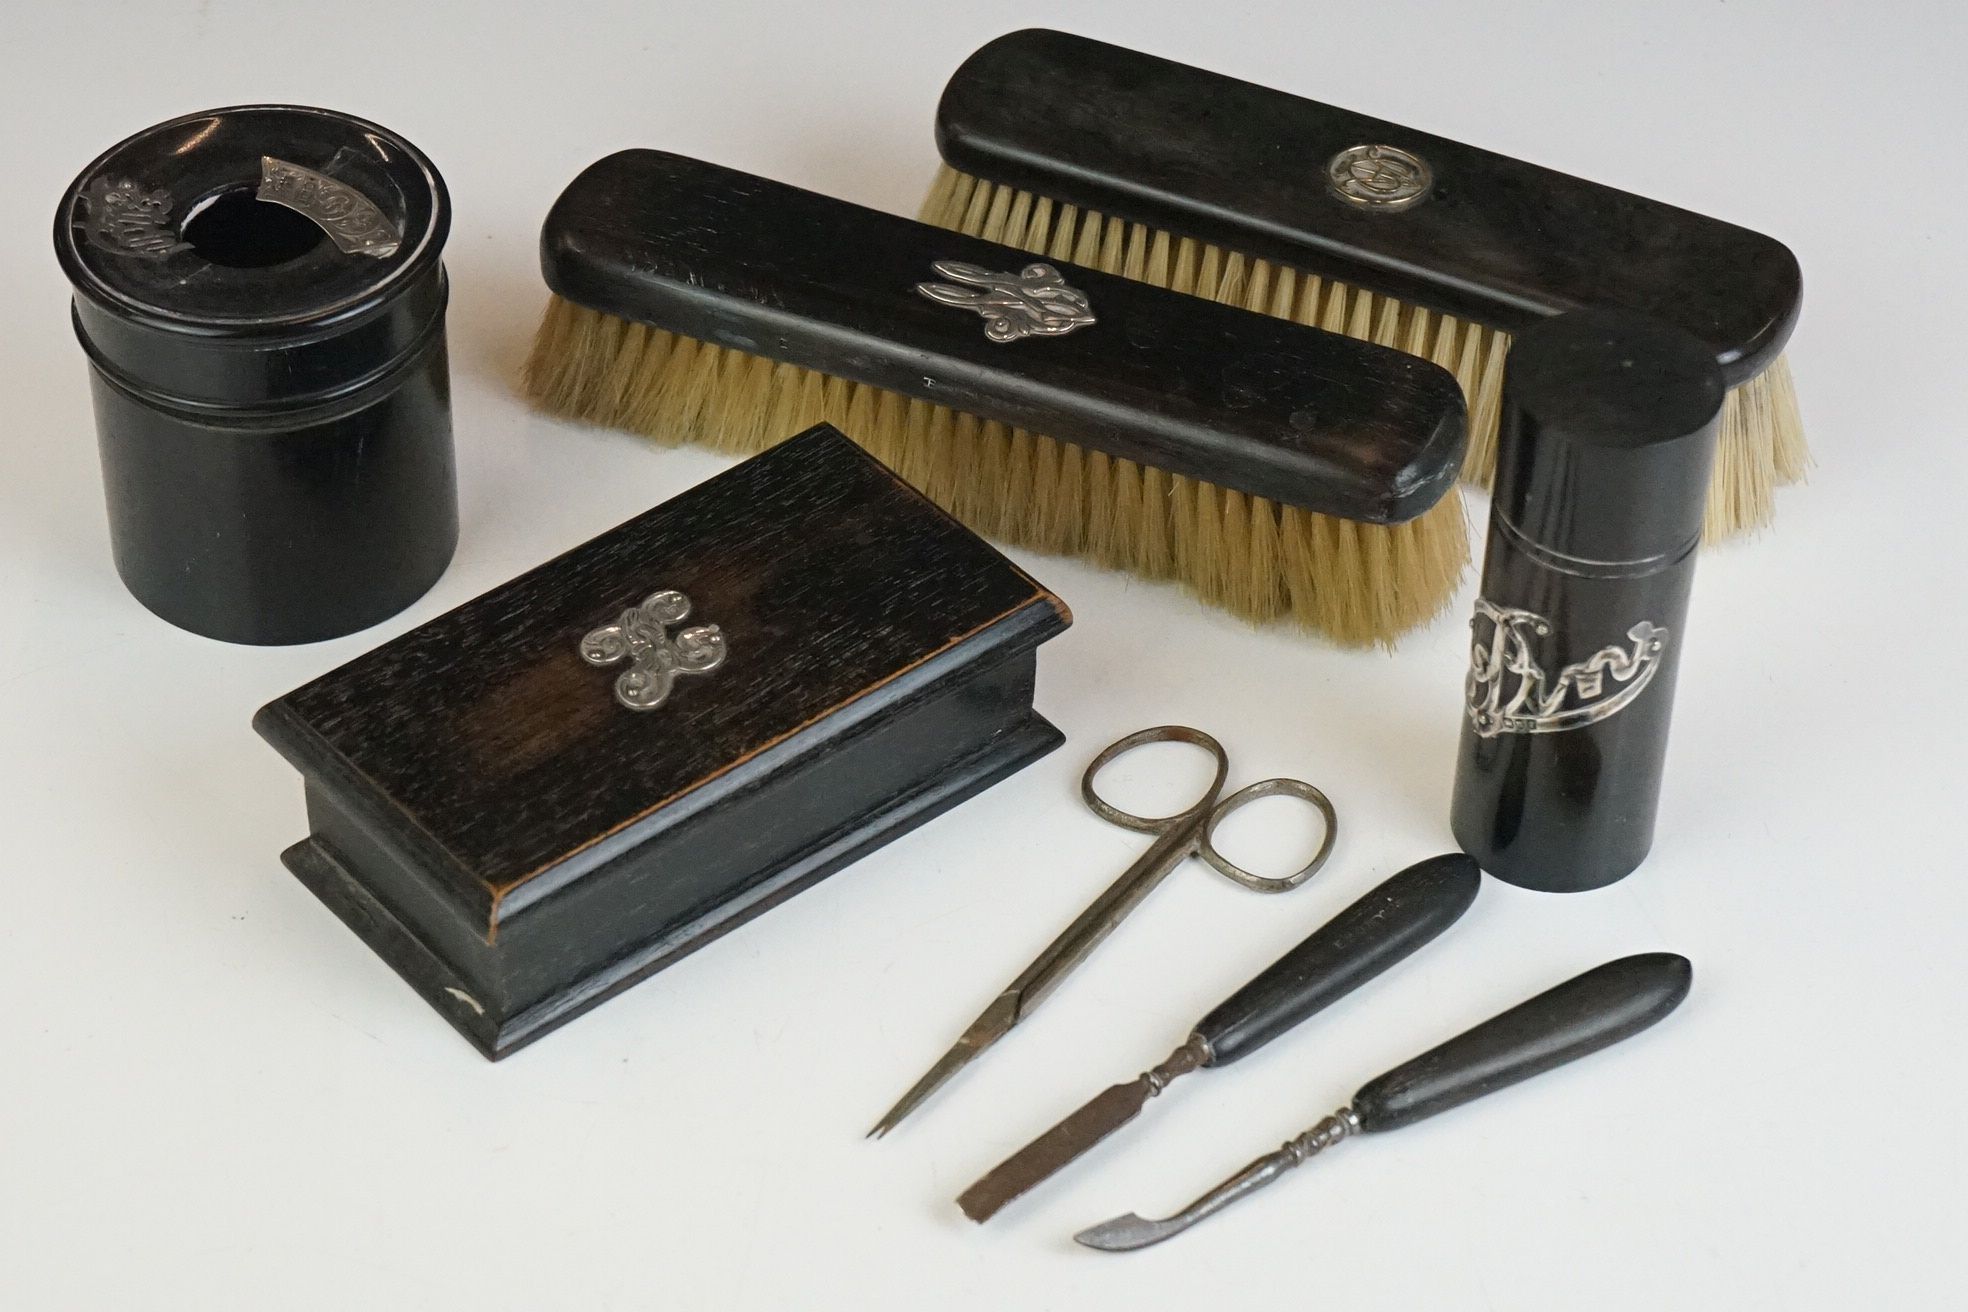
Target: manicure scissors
{"points": [[1189, 832]]}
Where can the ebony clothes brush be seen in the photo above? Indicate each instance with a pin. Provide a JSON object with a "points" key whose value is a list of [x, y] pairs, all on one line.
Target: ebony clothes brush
{"points": [[1275, 469], [1310, 211], [1608, 432], [260, 294]]}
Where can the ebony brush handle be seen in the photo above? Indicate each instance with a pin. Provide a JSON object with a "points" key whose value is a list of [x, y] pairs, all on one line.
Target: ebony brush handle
{"points": [[1359, 943], [1496, 240], [1243, 400], [1581, 1016]]}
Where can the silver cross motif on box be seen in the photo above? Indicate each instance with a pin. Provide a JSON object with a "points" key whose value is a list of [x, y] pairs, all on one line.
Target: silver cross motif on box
{"points": [[641, 637]]}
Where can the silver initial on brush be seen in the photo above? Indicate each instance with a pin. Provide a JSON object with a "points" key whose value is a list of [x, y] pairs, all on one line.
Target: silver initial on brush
{"points": [[1034, 302]]}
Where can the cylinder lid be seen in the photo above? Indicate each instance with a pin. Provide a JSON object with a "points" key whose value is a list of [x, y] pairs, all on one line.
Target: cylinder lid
{"points": [[1608, 437], [252, 221]]}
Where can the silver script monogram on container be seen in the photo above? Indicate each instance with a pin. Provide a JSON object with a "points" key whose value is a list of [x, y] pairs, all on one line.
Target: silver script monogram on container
{"points": [[1509, 692], [350, 218], [641, 637]]}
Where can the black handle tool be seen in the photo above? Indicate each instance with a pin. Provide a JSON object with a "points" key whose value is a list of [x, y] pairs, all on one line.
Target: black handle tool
{"points": [[1595, 1010], [1359, 943]]}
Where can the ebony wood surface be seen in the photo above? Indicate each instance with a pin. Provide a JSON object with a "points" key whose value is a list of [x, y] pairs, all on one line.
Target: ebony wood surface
{"points": [[1389, 924], [668, 898], [1499, 241], [285, 528], [275, 432], [1242, 400], [1584, 1014], [1595, 406], [490, 754]]}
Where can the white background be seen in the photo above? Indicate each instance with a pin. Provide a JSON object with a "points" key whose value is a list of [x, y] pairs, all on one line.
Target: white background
{"points": [[212, 1096]]}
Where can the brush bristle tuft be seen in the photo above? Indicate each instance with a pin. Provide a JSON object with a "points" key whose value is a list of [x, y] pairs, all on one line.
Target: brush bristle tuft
{"points": [[1358, 584], [1761, 446]]}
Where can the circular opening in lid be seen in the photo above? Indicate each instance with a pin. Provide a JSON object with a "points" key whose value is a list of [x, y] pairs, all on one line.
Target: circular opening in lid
{"points": [[239, 230]]}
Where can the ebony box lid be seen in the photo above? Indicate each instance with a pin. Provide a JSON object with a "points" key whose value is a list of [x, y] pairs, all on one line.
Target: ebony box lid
{"points": [[542, 796]]}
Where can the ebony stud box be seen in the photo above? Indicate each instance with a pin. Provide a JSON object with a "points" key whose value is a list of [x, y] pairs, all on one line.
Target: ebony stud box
{"points": [[540, 798]]}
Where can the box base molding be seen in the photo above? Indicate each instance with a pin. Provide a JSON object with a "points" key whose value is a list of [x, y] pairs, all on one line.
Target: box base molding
{"points": [[496, 1034]]}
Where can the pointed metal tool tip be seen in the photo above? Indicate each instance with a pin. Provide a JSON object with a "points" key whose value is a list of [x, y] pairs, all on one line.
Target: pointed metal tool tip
{"points": [[1123, 1234], [913, 1098], [997, 1020]]}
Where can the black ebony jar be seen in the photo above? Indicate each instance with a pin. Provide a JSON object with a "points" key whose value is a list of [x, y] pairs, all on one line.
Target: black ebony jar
{"points": [[260, 294], [1608, 434]]}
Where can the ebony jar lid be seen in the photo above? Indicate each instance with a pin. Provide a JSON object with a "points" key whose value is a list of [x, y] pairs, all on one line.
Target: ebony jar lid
{"points": [[260, 293], [190, 287]]}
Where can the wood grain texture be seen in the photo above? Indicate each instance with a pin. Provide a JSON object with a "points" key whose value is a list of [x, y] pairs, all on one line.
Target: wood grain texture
{"points": [[1305, 417], [1391, 922], [494, 822]]}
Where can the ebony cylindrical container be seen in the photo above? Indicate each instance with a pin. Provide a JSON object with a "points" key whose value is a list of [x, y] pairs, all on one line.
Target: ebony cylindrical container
{"points": [[1608, 434], [260, 294]]}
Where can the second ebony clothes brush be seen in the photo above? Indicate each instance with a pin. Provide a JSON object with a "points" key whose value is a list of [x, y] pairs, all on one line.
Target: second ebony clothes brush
{"points": [[1310, 211], [1608, 432]]}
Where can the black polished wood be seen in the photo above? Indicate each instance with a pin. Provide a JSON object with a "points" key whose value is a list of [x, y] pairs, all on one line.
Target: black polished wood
{"points": [[1608, 435], [518, 844], [1577, 1018], [1242, 400], [1498, 241], [273, 412], [1390, 923]]}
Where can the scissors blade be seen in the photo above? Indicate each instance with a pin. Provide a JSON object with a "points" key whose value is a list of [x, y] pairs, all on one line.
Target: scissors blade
{"points": [[1175, 840], [987, 1029]]}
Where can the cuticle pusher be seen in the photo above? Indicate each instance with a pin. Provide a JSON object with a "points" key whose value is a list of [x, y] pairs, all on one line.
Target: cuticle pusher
{"points": [[1586, 1013], [1392, 921]]}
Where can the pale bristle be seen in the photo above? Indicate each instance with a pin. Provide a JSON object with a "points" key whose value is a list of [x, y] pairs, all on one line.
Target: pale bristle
{"points": [[573, 358], [1793, 454], [1762, 442], [1358, 584], [938, 204]]}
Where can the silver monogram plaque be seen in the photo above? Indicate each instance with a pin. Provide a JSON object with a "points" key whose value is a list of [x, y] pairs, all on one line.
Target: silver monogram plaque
{"points": [[350, 218], [641, 637], [1384, 178], [1034, 302], [130, 219], [1509, 692]]}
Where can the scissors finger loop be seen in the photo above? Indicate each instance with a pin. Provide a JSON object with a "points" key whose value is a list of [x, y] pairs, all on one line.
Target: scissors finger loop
{"points": [[1164, 733], [1269, 788]]}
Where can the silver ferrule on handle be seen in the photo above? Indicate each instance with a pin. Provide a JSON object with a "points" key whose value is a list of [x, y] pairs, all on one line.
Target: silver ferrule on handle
{"points": [[1193, 1054]]}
